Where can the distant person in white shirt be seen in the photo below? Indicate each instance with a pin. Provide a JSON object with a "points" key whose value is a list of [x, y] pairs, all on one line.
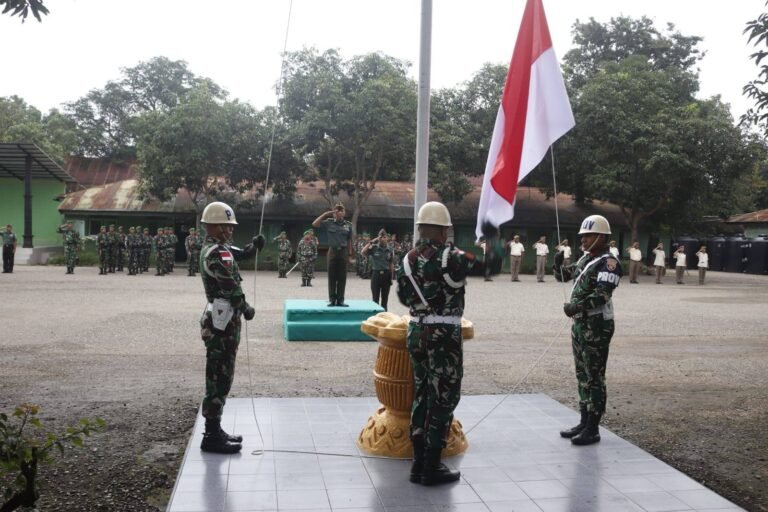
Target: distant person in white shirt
{"points": [[542, 250], [614, 250], [481, 243], [703, 263], [659, 261], [635, 260], [566, 250], [516, 250], [680, 265]]}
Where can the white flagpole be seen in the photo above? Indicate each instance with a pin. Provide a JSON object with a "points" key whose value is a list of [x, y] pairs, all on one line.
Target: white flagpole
{"points": [[422, 116]]}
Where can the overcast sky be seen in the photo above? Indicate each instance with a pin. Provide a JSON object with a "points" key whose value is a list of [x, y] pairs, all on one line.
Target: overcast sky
{"points": [[82, 44]]}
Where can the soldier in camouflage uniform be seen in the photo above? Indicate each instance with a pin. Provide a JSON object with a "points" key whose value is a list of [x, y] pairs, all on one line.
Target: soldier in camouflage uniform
{"points": [[160, 245], [405, 245], [112, 242], [146, 247], [596, 275], [71, 246], [365, 267], [171, 249], [307, 253], [189, 246], [283, 254], [434, 294], [120, 248], [102, 245], [220, 324]]}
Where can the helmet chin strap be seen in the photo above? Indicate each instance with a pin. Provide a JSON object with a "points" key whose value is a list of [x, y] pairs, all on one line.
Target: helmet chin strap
{"points": [[589, 249]]}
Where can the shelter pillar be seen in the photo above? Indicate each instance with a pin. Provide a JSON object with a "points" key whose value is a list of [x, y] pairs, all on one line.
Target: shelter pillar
{"points": [[27, 202]]}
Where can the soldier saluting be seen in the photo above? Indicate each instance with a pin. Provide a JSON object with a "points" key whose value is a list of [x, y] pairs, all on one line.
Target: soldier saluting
{"points": [[596, 274], [339, 233], [220, 323]]}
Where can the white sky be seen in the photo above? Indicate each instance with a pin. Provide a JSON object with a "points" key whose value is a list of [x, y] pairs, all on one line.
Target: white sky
{"points": [[82, 44]]}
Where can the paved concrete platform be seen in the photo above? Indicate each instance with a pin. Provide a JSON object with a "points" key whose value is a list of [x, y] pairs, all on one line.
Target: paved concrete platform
{"points": [[516, 462]]}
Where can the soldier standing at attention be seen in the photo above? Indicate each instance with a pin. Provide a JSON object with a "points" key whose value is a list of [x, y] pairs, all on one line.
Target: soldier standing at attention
{"points": [[172, 241], [565, 248], [339, 233], [120, 248], [635, 260], [307, 253], [160, 252], [659, 261], [382, 258], [613, 249], [703, 263], [283, 254], [112, 243], [406, 245], [9, 249], [192, 245], [680, 264], [71, 245], [542, 250], [102, 243], [146, 249], [130, 244], [431, 284], [596, 274], [220, 324]]}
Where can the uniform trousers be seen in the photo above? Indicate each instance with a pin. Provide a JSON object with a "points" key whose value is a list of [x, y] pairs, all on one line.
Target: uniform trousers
{"points": [[381, 281], [634, 270], [541, 262], [679, 273], [702, 274], [8, 257], [438, 366], [514, 266], [220, 354], [337, 274], [659, 273], [591, 338]]}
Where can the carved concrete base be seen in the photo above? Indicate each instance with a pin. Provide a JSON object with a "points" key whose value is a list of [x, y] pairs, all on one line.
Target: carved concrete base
{"points": [[386, 434]]}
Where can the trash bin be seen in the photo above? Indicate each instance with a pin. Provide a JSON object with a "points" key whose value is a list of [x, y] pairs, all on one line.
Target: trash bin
{"points": [[757, 255], [736, 254], [716, 250]]}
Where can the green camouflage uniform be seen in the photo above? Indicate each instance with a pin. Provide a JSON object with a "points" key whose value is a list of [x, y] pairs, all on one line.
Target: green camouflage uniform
{"points": [[71, 246], [595, 279], [434, 335], [193, 243], [160, 246], [130, 245], [102, 243], [170, 251], [146, 247], [221, 280], [121, 237], [307, 253], [112, 242], [283, 255]]}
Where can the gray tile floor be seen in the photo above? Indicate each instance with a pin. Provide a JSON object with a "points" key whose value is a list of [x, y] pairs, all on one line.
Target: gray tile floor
{"points": [[516, 462]]}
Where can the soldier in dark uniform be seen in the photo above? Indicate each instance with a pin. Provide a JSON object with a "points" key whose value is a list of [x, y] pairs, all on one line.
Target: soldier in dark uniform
{"points": [[431, 283], [120, 248], [339, 250], [381, 257], [220, 324], [596, 274], [9, 249]]}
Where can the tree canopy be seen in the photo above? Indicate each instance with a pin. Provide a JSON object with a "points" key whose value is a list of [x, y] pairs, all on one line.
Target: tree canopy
{"points": [[23, 8]]}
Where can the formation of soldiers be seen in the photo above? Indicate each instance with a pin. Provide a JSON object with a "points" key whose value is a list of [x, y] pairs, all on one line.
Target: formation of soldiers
{"points": [[398, 249]]}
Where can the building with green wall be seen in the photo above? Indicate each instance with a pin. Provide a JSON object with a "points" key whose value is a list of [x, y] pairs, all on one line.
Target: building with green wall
{"points": [[46, 218]]}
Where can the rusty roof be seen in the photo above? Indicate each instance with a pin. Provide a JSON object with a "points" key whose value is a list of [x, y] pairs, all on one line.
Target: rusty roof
{"points": [[389, 200], [91, 172], [760, 216]]}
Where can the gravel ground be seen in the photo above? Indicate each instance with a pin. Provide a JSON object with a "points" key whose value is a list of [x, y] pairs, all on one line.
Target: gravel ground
{"points": [[687, 373]]}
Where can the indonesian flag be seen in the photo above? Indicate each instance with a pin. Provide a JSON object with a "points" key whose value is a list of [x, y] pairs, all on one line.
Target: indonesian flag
{"points": [[534, 113]]}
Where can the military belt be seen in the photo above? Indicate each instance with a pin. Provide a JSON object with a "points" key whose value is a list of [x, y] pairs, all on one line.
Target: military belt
{"points": [[438, 319], [589, 312]]}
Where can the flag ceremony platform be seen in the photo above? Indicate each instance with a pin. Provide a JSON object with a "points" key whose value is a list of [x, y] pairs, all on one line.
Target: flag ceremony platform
{"points": [[314, 320], [516, 462]]}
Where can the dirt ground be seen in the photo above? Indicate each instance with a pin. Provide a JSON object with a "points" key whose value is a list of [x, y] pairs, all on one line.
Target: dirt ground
{"points": [[687, 374]]}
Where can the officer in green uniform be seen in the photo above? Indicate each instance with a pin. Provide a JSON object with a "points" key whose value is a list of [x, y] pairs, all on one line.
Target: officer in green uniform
{"points": [[9, 249], [431, 284], [339, 233], [307, 253], [283, 254], [381, 256], [71, 246], [596, 275], [220, 323]]}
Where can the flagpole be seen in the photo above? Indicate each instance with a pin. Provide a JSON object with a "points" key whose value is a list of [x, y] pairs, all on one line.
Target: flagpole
{"points": [[422, 115]]}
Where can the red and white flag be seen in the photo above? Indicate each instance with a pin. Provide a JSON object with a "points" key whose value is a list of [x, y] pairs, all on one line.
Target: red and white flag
{"points": [[534, 113]]}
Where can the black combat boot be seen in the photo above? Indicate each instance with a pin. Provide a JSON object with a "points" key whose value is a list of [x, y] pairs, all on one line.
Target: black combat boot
{"points": [[435, 472], [591, 432], [578, 428], [215, 440], [417, 467], [309, 282], [303, 282], [232, 439]]}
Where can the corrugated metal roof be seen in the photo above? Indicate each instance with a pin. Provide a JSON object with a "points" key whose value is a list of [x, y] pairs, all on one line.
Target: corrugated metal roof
{"points": [[389, 200], [13, 157], [760, 216], [91, 172]]}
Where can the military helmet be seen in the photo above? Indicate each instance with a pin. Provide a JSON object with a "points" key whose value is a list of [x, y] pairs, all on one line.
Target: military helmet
{"points": [[218, 213], [434, 213], [595, 224]]}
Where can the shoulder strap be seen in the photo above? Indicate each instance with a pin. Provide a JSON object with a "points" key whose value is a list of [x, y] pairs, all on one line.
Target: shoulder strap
{"points": [[409, 272], [444, 267]]}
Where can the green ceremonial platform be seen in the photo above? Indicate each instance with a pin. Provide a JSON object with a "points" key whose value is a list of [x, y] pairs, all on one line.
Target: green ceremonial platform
{"points": [[313, 320]]}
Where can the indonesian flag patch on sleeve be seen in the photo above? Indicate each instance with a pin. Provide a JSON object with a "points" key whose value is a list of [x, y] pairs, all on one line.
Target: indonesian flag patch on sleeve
{"points": [[226, 257]]}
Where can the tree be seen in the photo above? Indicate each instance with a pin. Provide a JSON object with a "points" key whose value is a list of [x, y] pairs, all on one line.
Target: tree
{"points": [[354, 120], [105, 116], [22, 8], [54, 133], [462, 122]]}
